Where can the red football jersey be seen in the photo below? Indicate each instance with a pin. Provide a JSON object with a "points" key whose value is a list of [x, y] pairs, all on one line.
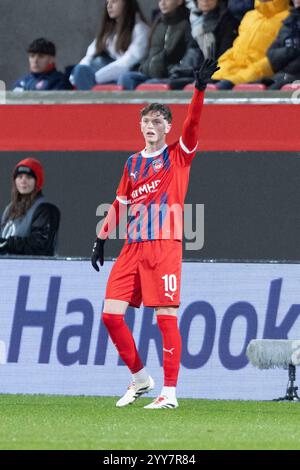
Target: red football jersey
{"points": [[155, 185]]}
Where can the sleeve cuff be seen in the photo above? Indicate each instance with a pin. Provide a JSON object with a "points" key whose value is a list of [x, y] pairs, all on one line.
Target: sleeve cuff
{"points": [[185, 149], [123, 201]]}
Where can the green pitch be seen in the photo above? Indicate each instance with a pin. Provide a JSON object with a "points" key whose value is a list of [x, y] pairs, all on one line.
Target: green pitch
{"points": [[55, 422]]}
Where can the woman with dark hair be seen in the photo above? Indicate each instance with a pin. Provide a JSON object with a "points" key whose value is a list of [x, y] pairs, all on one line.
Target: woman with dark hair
{"points": [[29, 224], [120, 45]]}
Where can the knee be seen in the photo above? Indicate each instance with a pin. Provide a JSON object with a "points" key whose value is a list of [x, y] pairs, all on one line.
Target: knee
{"points": [[115, 306], [80, 70], [123, 79], [127, 81], [225, 85], [169, 311]]}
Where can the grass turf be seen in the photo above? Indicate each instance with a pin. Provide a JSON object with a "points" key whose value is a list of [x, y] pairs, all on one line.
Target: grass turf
{"points": [[60, 422]]}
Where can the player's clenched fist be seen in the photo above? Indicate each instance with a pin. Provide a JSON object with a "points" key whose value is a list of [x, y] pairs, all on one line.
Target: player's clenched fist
{"points": [[204, 74], [98, 253]]}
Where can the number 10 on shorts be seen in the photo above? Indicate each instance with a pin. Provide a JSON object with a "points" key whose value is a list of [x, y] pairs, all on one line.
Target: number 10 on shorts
{"points": [[170, 282]]}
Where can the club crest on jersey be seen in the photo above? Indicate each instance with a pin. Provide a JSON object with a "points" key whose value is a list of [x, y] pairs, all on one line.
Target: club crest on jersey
{"points": [[157, 164]]}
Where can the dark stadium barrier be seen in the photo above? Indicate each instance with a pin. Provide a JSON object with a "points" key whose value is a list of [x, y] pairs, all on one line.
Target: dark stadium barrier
{"points": [[251, 200]]}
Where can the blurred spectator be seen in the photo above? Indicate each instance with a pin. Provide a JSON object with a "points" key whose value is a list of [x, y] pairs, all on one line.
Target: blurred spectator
{"points": [[120, 45], [196, 11], [239, 7], [43, 74], [284, 53], [214, 30], [29, 224], [169, 38], [246, 61]]}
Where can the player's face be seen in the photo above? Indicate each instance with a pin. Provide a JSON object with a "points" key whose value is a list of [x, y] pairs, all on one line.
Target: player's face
{"points": [[296, 3], [167, 6], [39, 63], [25, 184], [154, 127], [114, 8]]}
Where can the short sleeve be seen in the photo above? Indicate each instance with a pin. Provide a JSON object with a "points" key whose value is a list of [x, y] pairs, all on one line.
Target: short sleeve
{"points": [[124, 188]]}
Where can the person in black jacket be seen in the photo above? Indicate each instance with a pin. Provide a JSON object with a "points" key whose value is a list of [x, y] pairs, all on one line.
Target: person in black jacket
{"points": [[284, 53], [169, 38], [29, 224], [43, 75], [214, 29]]}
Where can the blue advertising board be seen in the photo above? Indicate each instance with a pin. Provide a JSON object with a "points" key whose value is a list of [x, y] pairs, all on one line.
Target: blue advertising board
{"points": [[52, 339]]}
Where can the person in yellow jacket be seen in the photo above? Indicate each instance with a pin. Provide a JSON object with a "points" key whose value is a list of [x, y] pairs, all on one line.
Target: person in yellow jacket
{"points": [[246, 61]]}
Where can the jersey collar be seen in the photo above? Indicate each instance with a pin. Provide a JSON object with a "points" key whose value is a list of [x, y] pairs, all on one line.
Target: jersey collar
{"points": [[154, 154]]}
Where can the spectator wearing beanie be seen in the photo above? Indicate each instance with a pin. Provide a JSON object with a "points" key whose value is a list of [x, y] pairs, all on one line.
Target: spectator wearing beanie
{"points": [[29, 224], [43, 75]]}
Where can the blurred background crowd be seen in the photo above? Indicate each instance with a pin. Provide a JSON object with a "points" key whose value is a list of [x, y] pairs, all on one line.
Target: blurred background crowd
{"points": [[253, 41]]}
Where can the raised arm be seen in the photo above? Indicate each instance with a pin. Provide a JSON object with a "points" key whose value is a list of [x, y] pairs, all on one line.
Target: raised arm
{"points": [[189, 137]]}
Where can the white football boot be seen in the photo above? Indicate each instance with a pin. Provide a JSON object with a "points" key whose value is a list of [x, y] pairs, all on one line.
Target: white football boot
{"points": [[135, 391], [162, 402]]}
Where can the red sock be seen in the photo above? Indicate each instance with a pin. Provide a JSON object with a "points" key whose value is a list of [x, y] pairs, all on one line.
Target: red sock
{"points": [[122, 338], [171, 348]]}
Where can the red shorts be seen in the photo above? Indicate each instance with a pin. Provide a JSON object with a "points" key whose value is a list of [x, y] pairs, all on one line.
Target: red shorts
{"points": [[148, 272]]}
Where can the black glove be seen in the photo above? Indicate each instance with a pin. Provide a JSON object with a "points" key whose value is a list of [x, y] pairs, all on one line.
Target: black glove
{"points": [[203, 75], [3, 245], [98, 253]]}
